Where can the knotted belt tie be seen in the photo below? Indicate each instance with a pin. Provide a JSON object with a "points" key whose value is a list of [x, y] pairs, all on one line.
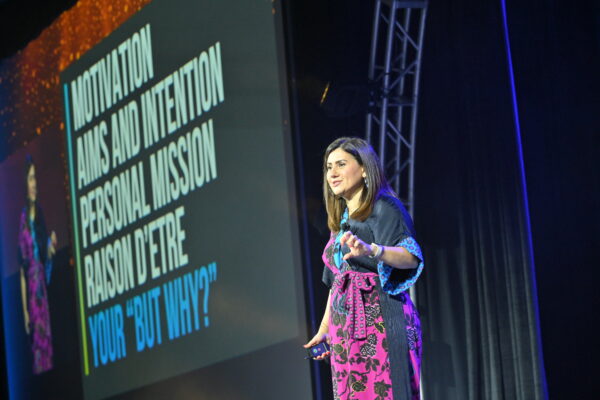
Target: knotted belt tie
{"points": [[353, 283]]}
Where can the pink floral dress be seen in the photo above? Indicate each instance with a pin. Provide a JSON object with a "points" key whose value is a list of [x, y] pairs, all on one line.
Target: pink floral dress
{"points": [[33, 241], [374, 327]]}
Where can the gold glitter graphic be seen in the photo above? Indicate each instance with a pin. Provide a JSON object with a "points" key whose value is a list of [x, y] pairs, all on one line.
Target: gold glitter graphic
{"points": [[30, 94]]}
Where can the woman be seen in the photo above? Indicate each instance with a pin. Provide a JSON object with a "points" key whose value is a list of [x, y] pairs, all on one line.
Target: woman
{"points": [[370, 260], [35, 258]]}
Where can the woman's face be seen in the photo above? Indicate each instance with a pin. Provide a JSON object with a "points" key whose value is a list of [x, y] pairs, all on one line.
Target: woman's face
{"points": [[31, 184], [344, 174]]}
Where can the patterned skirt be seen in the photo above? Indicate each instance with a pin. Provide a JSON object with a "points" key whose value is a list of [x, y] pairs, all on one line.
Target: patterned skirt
{"points": [[39, 319], [360, 355]]}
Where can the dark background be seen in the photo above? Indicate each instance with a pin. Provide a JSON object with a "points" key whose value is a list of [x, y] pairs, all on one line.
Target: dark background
{"points": [[467, 145], [465, 126]]}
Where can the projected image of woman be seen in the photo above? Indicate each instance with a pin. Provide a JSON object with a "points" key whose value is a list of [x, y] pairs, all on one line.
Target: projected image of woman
{"points": [[371, 260], [36, 249]]}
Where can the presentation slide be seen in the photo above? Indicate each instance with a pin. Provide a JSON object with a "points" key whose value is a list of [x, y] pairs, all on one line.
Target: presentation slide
{"points": [[182, 240]]}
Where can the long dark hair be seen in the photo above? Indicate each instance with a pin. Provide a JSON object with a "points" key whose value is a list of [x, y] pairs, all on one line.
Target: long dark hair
{"points": [[38, 226], [376, 184], [28, 203]]}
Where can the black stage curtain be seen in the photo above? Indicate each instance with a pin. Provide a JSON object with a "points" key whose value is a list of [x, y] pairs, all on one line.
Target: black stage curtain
{"points": [[477, 297], [556, 49]]}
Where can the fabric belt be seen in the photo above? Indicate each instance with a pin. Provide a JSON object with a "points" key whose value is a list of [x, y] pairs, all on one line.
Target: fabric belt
{"points": [[353, 283]]}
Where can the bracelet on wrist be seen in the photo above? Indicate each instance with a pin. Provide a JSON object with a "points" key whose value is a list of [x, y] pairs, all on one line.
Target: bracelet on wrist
{"points": [[376, 251]]}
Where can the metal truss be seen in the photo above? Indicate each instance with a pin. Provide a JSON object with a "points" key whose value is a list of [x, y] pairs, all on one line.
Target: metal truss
{"points": [[394, 68]]}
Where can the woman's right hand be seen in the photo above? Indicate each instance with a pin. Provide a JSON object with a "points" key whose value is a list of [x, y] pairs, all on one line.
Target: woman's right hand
{"points": [[320, 337]]}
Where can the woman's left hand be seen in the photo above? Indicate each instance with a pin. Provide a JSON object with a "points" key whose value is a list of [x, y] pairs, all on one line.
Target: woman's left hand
{"points": [[357, 246]]}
